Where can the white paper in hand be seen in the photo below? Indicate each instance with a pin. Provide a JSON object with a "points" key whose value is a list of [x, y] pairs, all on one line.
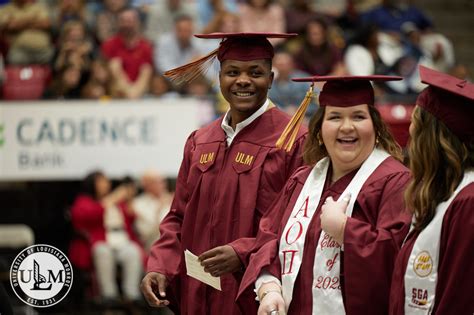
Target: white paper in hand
{"points": [[195, 270]]}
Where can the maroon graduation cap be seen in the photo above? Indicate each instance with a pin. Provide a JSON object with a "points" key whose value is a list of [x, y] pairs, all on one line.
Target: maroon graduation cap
{"points": [[346, 91], [234, 46], [339, 91], [449, 99]]}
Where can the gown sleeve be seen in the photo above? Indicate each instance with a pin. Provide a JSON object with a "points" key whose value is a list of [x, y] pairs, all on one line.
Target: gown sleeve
{"points": [[372, 238], [166, 253], [455, 287], [264, 254]]}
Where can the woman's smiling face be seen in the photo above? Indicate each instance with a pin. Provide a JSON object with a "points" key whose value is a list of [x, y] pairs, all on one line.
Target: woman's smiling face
{"points": [[348, 135]]}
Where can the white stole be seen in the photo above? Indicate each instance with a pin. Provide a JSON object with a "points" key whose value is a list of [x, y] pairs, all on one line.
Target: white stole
{"points": [[328, 298], [422, 269]]}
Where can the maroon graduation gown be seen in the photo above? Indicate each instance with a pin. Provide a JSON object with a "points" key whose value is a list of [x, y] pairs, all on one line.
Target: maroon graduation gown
{"points": [[455, 284], [221, 194], [372, 238]]}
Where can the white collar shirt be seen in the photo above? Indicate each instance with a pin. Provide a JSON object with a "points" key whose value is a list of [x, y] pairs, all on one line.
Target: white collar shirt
{"points": [[230, 132]]}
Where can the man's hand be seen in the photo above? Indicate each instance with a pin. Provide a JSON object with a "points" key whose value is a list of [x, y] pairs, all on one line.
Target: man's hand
{"points": [[333, 217], [220, 260], [155, 282]]}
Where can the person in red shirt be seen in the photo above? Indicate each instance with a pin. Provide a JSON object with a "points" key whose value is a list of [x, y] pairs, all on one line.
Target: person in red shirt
{"points": [[130, 56], [230, 173], [103, 223]]}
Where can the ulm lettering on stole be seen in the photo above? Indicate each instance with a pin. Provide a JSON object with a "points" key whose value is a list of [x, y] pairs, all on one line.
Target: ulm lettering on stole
{"points": [[243, 158], [206, 158]]}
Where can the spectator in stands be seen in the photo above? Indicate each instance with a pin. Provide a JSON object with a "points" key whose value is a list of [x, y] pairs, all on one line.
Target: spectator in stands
{"points": [[69, 10], [67, 83], [406, 66], [460, 71], [334, 9], [262, 16], [341, 12], [73, 47], [179, 46], [104, 221], [150, 207], [143, 7], [161, 87], [317, 55], [122, 87], [130, 57], [94, 91], [361, 56], [26, 26], [99, 81], [298, 13], [207, 9], [440, 49], [107, 19], [285, 93], [390, 16], [224, 22], [405, 91], [396, 17], [162, 14]]}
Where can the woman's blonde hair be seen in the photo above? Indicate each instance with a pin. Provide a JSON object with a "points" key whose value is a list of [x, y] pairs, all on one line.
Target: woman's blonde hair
{"points": [[315, 150], [438, 160]]}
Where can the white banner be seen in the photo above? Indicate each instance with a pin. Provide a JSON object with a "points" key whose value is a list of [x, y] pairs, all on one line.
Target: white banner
{"points": [[66, 140]]}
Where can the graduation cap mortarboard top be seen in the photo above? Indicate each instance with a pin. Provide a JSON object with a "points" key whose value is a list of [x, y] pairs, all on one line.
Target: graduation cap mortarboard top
{"points": [[338, 91], [450, 100], [234, 46]]}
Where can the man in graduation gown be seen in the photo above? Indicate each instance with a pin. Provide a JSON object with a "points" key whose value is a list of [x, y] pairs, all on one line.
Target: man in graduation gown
{"points": [[372, 236], [230, 173]]}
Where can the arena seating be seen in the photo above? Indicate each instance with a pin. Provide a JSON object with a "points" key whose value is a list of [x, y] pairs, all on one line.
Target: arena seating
{"points": [[25, 82]]}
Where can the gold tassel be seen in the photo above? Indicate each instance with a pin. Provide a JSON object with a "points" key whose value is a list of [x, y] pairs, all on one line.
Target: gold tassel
{"points": [[291, 130], [190, 71]]}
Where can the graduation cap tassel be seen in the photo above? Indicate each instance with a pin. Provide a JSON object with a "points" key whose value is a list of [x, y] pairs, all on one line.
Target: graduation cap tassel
{"points": [[190, 71], [288, 135]]}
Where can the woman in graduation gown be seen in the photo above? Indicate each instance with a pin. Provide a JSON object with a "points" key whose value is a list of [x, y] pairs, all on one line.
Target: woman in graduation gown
{"points": [[433, 272], [328, 244]]}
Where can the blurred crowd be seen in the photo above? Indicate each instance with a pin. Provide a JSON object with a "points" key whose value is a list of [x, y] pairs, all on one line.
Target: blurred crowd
{"points": [[119, 49], [116, 227]]}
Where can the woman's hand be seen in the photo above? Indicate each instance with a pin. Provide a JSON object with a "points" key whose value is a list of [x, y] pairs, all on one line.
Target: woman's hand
{"points": [[333, 217], [271, 300]]}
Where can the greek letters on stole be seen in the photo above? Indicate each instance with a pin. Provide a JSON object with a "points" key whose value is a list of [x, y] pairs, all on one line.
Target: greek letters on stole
{"points": [[327, 297]]}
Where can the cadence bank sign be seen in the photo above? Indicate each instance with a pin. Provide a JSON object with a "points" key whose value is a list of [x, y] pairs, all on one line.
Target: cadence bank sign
{"points": [[66, 140]]}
